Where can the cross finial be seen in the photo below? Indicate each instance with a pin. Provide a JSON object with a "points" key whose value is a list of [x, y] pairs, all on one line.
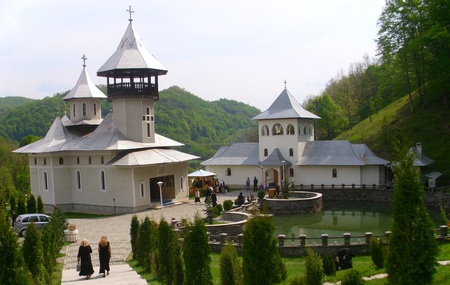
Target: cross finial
{"points": [[84, 60], [285, 82], [130, 11]]}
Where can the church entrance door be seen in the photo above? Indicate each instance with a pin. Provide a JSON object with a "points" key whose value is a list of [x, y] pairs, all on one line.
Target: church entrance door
{"points": [[167, 189]]}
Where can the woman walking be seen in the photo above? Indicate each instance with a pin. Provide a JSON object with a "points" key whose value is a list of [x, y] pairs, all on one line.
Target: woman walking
{"points": [[84, 256], [104, 252]]}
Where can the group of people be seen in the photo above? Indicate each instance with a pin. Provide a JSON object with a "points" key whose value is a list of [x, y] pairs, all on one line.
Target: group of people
{"points": [[210, 196], [245, 200], [84, 257], [255, 184]]}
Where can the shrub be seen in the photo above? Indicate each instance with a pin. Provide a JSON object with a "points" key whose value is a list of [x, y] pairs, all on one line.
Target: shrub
{"points": [[40, 205], [283, 270], [314, 269], [167, 247], [236, 202], [31, 204], [134, 236], [59, 224], [376, 252], [261, 194], [227, 205], [230, 267], [352, 277], [329, 265], [33, 255], [147, 244], [219, 208]]}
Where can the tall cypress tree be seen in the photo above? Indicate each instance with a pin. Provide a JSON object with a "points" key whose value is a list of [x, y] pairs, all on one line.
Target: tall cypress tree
{"points": [[412, 248], [196, 254], [134, 236], [33, 254], [167, 253]]}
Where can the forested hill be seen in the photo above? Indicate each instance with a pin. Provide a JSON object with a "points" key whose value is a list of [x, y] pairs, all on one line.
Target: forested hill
{"points": [[203, 126]]}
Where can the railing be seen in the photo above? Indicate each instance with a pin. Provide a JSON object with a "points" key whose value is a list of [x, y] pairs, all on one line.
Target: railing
{"points": [[132, 89]]}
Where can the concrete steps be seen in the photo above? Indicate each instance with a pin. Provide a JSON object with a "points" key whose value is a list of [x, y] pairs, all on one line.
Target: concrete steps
{"points": [[120, 274]]}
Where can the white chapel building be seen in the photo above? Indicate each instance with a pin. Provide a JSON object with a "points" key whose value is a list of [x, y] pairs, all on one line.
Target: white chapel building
{"points": [[287, 152], [113, 165]]}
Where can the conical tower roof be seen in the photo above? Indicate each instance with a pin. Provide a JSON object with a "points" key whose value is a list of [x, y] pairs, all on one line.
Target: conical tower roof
{"points": [[131, 54], [285, 107], [85, 88]]}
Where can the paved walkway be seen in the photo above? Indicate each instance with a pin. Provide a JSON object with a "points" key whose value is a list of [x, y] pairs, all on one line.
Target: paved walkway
{"points": [[117, 229]]}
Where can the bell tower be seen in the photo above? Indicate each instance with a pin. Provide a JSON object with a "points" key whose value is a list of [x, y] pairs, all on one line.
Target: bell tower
{"points": [[132, 86]]}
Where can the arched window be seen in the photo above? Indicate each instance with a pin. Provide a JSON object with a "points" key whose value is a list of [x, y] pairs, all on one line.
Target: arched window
{"points": [[78, 160], [265, 130], [228, 172], [290, 130], [35, 160], [84, 109], [291, 172], [95, 109], [45, 180], [102, 181], [291, 152], [45, 161], [334, 173], [304, 130], [73, 110], [277, 129], [142, 189], [61, 160], [102, 160], [90, 160], [181, 183], [78, 178], [266, 152]]}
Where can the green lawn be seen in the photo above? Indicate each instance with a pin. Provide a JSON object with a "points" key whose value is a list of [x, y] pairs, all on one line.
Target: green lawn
{"points": [[295, 268]]}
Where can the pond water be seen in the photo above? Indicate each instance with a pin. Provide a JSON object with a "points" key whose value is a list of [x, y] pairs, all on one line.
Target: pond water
{"points": [[340, 217]]}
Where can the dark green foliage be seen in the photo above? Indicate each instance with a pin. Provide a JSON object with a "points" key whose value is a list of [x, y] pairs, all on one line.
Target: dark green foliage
{"points": [[313, 268], [21, 208], [40, 205], [12, 204], [227, 205], [12, 270], [167, 248], [33, 254], [230, 266], [134, 236], [329, 265], [59, 224], [353, 277], [49, 242], [283, 270], [412, 249], [218, 209], [376, 250], [196, 254], [297, 281], [261, 194], [31, 204], [179, 267], [28, 139], [209, 212], [147, 244], [261, 260]]}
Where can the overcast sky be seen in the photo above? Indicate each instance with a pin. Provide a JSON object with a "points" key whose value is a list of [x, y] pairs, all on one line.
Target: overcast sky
{"points": [[241, 50]]}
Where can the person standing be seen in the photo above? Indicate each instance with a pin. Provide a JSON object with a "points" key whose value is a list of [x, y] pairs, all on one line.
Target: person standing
{"points": [[104, 253], [255, 184], [214, 199], [197, 196], [247, 184], [84, 256]]}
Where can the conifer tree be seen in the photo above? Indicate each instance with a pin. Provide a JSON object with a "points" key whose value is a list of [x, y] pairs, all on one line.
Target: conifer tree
{"points": [[261, 260], [50, 253], [21, 207], [196, 254], [12, 270], [167, 253], [230, 266], [134, 236], [40, 205], [33, 254], [59, 224], [147, 244], [412, 250], [31, 204]]}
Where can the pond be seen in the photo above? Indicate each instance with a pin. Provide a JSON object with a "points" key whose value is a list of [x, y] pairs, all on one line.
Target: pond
{"points": [[340, 217]]}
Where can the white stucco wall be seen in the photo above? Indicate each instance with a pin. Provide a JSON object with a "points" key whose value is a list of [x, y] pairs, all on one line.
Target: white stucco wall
{"points": [[323, 175]]}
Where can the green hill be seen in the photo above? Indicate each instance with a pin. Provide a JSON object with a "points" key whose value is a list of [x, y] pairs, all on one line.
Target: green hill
{"points": [[428, 124]]}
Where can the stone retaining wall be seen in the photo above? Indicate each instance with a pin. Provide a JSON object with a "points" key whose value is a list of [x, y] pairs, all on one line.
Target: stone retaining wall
{"points": [[298, 202]]}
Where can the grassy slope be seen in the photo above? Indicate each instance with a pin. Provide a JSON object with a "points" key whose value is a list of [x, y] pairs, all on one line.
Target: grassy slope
{"points": [[428, 124]]}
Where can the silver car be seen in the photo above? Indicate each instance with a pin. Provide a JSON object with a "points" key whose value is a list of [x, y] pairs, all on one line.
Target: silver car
{"points": [[22, 221]]}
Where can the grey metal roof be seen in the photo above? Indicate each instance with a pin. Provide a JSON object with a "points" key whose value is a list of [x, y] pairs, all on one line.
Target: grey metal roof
{"points": [[85, 88], [151, 156], [131, 54], [367, 155], [275, 159], [235, 154], [105, 137], [433, 175], [329, 153], [285, 107]]}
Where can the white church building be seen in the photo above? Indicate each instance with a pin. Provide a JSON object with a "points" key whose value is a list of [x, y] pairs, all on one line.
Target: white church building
{"points": [[288, 152], [117, 164]]}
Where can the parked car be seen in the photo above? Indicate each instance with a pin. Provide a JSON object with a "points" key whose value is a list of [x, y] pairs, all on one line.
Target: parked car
{"points": [[22, 221]]}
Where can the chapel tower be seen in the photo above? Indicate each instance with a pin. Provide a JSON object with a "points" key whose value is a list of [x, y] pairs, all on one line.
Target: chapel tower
{"points": [[132, 84]]}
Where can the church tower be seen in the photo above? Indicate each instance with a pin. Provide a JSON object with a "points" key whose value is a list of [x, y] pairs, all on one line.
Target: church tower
{"points": [[132, 82], [84, 100]]}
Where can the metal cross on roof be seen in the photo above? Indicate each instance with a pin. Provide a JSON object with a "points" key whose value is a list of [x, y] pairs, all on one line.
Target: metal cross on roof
{"points": [[130, 11], [285, 82], [84, 60]]}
